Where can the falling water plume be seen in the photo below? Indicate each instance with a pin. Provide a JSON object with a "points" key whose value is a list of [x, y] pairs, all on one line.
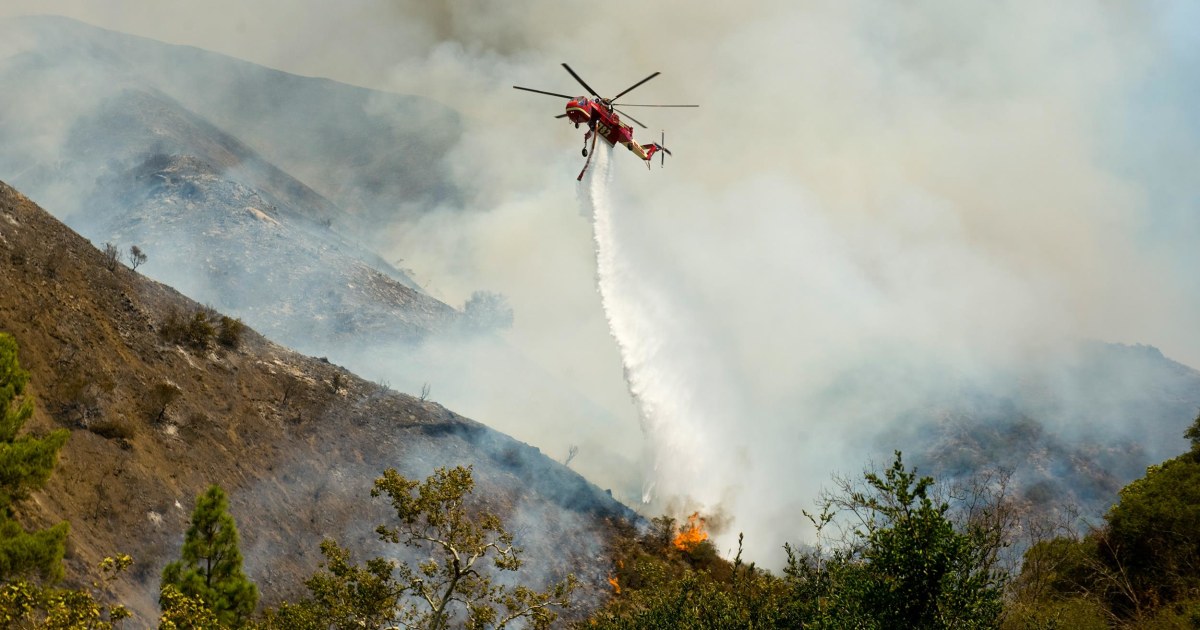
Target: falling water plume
{"points": [[660, 351]]}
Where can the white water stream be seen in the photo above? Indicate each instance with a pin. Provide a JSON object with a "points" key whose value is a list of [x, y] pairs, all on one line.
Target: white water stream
{"points": [[664, 359]]}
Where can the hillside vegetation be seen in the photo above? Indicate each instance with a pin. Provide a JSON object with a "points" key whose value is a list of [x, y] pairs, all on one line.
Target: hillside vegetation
{"points": [[894, 550]]}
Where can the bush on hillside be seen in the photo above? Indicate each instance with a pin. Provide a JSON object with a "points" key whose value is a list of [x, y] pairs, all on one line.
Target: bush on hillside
{"points": [[1143, 565], [199, 330], [230, 335], [193, 331]]}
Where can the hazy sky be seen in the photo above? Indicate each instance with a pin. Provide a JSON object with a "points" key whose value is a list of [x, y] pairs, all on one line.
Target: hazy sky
{"points": [[1056, 142], [969, 183]]}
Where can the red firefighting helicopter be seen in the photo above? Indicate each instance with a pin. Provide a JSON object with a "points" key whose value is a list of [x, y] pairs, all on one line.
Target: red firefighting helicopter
{"points": [[604, 120]]}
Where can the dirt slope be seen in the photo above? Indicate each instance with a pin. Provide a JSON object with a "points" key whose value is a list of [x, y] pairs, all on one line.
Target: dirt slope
{"points": [[295, 440]]}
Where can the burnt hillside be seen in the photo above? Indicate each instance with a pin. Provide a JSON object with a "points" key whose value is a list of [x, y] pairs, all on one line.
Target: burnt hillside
{"points": [[295, 440], [178, 151], [361, 149]]}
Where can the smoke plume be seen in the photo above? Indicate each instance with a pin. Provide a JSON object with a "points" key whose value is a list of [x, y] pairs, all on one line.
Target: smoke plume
{"points": [[878, 207]]}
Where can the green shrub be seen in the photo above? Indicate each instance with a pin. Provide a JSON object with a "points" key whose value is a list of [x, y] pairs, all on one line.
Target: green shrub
{"points": [[231, 332], [195, 332], [1077, 613], [159, 398], [113, 429]]}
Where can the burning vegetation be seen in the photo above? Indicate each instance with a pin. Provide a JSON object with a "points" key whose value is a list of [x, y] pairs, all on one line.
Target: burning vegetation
{"points": [[612, 579], [615, 584], [692, 533]]}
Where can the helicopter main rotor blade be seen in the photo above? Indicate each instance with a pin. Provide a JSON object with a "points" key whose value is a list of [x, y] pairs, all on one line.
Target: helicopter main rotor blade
{"points": [[630, 105], [517, 87], [630, 118], [630, 88], [561, 116], [581, 81]]}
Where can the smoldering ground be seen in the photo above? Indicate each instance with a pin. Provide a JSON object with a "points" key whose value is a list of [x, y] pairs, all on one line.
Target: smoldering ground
{"points": [[907, 191]]}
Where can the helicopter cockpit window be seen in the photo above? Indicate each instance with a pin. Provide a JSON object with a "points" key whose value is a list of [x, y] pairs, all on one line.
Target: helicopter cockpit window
{"points": [[583, 100]]}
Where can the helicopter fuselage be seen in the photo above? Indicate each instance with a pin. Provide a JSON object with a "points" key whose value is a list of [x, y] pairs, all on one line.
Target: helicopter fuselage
{"points": [[599, 117]]}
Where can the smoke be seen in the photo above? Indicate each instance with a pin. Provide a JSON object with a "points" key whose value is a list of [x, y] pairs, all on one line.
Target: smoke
{"points": [[877, 207]]}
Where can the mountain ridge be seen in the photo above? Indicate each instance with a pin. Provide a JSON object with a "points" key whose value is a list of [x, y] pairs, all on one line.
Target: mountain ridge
{"points": [[194, 157], [375, 147]]}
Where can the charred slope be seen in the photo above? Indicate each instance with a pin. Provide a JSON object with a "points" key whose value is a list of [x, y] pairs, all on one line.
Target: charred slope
{"points": [[295, 440], [225, 226], [1072, 431], [134, 124], [362, 149], [104, 129]]}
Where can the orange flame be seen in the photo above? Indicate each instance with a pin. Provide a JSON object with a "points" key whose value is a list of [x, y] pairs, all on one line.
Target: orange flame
{"points": [[691, 534], [612, 579]]}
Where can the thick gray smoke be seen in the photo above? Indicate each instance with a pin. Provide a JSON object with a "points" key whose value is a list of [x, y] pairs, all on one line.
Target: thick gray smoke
{"points": [[875, 208], [877, 205]]}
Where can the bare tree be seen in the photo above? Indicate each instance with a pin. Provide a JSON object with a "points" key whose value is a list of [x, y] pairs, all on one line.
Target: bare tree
{"points": [[288, 389], [136, 256], [572, 451], [112, 256]]}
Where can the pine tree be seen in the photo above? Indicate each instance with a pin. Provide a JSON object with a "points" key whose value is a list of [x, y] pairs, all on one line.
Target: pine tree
{"points": [[211, 565], [25, 464]]}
